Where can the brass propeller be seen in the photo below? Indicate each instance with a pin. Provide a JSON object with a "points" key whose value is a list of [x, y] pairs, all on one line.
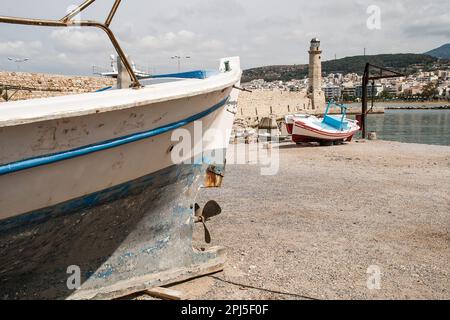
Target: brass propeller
{"points": [[211, 209]]}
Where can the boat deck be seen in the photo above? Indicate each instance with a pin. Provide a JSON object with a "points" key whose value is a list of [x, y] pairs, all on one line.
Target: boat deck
{"points": [[157, 89]]}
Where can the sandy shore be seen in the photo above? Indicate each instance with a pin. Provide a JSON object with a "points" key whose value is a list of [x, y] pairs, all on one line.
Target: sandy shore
{"points": [[313, 229]]}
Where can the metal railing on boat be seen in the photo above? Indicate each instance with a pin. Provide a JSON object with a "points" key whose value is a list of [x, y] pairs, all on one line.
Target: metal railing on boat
{"points": [[68, 21]]}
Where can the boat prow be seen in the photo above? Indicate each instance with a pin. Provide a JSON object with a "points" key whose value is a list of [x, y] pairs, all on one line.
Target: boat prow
{"points": [[98, 190]]}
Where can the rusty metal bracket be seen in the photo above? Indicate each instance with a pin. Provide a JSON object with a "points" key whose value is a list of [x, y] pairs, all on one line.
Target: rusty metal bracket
{"points": [[214, 176], [242, 89], [68, 21], [5, 88]]}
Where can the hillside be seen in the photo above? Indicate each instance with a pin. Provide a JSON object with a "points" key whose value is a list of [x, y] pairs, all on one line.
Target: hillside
{"points": [[399, 62], [442, 52]]}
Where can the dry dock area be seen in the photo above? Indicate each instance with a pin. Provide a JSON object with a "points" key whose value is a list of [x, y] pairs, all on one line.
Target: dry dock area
{"points": [[315, 228]]}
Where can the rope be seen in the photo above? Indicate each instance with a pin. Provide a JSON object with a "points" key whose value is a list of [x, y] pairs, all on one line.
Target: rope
{"points": [[263, 289]]}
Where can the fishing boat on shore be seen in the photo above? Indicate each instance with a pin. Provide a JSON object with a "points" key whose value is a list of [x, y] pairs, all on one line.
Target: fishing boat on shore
{"points": [[330, 129], [97, 190]]}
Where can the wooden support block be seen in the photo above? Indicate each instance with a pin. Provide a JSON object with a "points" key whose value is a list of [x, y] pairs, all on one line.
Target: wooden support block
{"points": [[164, 293], [213, 262], [372, 136]]}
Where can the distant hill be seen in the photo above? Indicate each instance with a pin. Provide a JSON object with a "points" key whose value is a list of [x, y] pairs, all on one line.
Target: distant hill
{"points": [[398, 62], [442, 52]]}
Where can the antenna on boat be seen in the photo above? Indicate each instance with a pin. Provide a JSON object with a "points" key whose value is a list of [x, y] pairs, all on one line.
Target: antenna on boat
{"points": [[68, 21]]}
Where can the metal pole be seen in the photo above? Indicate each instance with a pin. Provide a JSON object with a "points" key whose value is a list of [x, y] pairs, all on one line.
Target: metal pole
{"points": [[373, 96], [112, 12], [67, 22], [77, 10], [364, 102], [179, 61], [120, 52]]}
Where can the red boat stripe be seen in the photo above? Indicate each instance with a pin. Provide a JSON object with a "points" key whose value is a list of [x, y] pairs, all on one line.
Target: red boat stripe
{"points": [[322, 132]]}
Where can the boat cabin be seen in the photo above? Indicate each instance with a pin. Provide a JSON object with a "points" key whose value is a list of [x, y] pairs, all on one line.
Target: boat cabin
{"points": [[337, 122]]}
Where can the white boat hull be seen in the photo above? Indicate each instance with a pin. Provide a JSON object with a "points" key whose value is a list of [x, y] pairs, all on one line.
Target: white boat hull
{"points": [[98, 188], [83, 175], [309, 129]]}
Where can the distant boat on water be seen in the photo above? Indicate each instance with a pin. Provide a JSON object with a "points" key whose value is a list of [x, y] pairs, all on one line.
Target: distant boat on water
{"points": [[114, 72]]}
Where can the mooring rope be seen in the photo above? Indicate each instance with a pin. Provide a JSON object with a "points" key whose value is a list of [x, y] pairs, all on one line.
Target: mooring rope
{"points": [[264, 289]]}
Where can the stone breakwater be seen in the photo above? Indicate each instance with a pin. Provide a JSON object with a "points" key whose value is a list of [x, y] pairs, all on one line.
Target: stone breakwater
{"points": [[262, 103], [49, 85], [278, 103]]}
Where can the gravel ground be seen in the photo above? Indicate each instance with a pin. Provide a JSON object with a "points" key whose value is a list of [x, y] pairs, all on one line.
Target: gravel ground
{"points": [[314, 229]]}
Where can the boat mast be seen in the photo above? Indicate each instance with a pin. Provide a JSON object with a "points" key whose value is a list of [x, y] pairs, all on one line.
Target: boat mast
{"points": [[68, 21]]}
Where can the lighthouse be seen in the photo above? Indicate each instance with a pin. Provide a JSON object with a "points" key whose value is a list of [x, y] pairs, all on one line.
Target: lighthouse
{"points": [[315, 92]]}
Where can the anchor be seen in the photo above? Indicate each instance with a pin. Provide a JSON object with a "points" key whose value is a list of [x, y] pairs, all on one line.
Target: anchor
{"points": [[210, 210]]}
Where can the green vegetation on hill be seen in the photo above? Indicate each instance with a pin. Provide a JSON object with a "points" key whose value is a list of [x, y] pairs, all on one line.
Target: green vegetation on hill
{"points": [[400, 62], [442, 52]]}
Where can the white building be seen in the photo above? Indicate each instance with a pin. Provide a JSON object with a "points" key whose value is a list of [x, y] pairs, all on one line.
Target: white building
{"points": [[332, 91]]}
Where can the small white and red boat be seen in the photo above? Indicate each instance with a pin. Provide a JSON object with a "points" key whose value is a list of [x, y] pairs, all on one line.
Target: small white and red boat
{"points": [[326, 131]]}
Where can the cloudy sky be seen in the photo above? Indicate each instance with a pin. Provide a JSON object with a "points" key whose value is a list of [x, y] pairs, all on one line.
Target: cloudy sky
{"points": [[262, 32]]}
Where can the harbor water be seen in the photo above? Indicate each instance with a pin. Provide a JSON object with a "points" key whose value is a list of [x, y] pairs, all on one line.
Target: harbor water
{"points": [[412, 126]]}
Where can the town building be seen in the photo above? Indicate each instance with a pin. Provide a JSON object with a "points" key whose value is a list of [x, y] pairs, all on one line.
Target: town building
{"points": [[371, 90], [348, 90], [332, 91]]}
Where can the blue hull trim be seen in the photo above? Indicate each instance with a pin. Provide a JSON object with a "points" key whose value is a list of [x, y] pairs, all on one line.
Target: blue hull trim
{"points": [[85, 150], [197, 74], [104, 89], [83, 203]]}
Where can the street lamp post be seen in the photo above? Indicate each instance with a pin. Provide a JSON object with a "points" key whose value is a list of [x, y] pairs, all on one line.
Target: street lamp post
{"points": [[18, 61], [179, 61]]}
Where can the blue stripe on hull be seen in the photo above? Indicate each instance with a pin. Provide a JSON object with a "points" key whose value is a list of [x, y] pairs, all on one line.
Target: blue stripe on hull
{"points": [[197, 74], [84, 203], [48, 159]]}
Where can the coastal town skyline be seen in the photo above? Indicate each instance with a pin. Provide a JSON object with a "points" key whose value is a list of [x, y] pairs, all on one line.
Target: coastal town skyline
{"points": [[348, 87], [262, 34]]}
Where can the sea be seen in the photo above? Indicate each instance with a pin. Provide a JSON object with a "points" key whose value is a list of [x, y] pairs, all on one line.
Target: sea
{"points": [[412, 126]]}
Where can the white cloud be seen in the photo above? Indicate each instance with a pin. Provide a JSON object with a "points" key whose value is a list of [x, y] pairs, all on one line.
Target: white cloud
{"points": [[261, 32], [166, 41], [212, 45], [20, 48], [75, 40]]}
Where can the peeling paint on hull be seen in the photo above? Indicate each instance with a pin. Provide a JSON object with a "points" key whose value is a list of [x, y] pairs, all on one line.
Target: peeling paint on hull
{"points": [[139, 228]]}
